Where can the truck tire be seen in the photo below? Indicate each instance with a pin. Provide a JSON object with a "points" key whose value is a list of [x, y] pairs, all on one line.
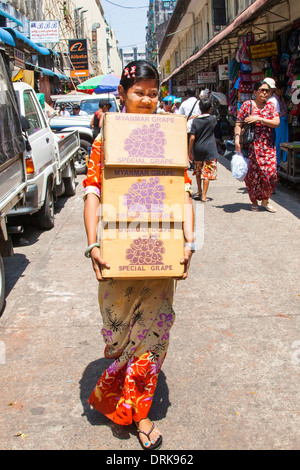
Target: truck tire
{"points": [[80, 160], [70, 183], [46, 213], [2, 284]]}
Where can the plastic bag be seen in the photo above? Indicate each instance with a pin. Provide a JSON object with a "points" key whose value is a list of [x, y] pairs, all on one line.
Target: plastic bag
{"points": [[239, 166]]}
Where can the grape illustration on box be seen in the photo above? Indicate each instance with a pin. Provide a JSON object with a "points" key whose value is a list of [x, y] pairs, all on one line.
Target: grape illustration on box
{"points": [[145, 196], [145, 251], [146, 142]]}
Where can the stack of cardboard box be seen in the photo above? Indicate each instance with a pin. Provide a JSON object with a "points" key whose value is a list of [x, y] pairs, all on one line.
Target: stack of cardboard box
{"points": [[143, 195]]}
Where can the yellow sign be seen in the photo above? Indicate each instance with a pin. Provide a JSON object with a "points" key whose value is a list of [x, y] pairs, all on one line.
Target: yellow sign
{"points": [[267, 49], [168, 67]]}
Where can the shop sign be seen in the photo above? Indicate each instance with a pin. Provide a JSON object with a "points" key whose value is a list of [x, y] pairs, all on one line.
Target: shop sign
{"points": [[207, 77], [19, 58], [44, 31], [261, 51], [223, 72], [192, 82], [79, 57], [168, 66]]}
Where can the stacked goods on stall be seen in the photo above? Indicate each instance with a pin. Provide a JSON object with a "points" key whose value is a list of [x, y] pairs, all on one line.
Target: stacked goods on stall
{"points": [[142, 198]]}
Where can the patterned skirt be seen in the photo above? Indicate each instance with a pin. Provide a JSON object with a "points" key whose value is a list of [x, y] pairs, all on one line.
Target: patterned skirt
{"points": [[207, 169], [137, 318], [261, 178]]}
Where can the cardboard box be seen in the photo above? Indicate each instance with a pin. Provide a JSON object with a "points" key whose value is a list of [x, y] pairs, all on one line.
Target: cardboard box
{"points": [[142, 250], [145, 140], [142, 193]]}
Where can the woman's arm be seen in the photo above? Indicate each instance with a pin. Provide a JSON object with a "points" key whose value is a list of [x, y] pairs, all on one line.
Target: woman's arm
{"points": [[188, 228], [91, 220], [274, 122], [237, 136]]}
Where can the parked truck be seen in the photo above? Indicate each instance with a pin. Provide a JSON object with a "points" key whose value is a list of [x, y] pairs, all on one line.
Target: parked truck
{"points": [[12, 164], [50, 163]]}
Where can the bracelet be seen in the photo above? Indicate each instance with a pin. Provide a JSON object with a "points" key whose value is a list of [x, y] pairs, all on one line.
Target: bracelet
{"points": [[190, 245], [87, 252]]}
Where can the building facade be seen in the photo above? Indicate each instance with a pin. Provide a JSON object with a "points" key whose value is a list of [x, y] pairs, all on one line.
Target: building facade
{"points": [[158, 15], [49, 63], [132, 54], [202, 35]]}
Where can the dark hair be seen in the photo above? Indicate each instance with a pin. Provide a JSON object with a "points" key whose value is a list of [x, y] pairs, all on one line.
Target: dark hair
{"points": [[104, 103], [138, 70], [190, 92], [205, 105], [76, 106], [280, 85], [257, 85]]}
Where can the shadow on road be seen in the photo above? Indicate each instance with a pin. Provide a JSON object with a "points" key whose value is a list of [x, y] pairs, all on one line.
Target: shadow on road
{"points": [[90, 378], [286, 193]]}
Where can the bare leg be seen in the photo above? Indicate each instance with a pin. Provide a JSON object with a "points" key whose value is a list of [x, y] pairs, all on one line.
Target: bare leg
{"points": [[205, 188]]}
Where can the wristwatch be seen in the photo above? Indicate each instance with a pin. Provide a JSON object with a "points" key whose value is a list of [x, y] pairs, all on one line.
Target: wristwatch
{"points": [[190, 245]]}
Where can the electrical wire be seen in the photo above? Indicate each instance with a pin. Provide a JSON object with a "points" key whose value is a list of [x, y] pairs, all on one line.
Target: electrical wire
{"points": [[121, 6]]}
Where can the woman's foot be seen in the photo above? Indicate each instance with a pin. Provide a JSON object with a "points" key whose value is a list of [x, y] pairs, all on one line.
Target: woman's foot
{"points": [[198, 196], [254, 206], [269, 208], [266, 205], [148, 434]]}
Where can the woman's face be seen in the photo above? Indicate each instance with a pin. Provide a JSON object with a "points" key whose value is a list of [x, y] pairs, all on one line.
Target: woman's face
{"points": [[263, 93], [141, 98]]}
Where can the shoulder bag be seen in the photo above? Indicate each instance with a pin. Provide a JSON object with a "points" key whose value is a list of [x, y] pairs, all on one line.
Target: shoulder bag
{"points": [[190, 121], [247, 135]]}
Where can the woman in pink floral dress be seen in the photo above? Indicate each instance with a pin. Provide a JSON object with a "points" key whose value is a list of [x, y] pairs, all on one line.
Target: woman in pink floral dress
{"points": [[261, 178]]}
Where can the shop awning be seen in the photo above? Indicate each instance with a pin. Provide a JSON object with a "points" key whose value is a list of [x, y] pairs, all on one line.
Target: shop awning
{"points": [[21, 37], [48, 72], [249, 14], [10, 17], [6, 37]]}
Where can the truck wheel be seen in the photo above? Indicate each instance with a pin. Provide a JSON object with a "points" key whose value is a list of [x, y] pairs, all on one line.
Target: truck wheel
{"points": [[2, 284], [70, 184], [80, 160], [46, 214]]}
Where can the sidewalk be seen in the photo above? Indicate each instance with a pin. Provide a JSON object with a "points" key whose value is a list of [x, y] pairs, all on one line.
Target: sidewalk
{"points": [[231, 376]]}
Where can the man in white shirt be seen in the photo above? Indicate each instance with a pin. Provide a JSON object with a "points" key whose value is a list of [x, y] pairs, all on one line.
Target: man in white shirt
{"points": [[190, 106], [63, 111], [78, 112], [272, 99]]}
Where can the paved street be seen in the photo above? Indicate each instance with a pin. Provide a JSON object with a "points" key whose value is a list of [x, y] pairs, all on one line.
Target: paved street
{"points": [[231, 376]]}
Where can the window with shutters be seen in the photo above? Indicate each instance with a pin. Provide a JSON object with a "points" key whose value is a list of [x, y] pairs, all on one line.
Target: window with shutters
{"points": [[219, 12]]}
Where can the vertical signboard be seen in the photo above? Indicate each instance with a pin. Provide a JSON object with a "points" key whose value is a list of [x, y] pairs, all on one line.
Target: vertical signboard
{"points": [[79, 57]]}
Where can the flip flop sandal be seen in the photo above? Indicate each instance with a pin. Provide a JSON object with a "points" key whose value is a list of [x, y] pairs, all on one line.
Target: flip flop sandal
{"points": [[155, 445], [198, 196], [269, 208], [254, 208]]}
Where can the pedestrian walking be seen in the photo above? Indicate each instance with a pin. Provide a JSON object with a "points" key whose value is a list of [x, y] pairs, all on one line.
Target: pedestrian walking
{"points": [[190, 108], [203, 144], [97, 120], [261, 178], [137, 315]]}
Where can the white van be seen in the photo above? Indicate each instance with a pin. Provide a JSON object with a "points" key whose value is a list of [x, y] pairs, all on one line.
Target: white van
{"points": [[87, 103]]}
